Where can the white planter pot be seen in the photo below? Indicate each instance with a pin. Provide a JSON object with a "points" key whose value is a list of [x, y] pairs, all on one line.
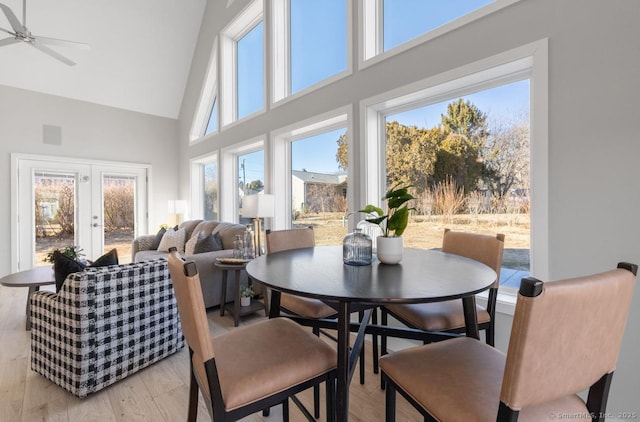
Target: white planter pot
{"points": [[245, 301], [389, 249]]}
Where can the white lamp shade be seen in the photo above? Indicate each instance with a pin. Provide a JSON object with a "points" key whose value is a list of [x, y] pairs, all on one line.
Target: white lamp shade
{"points": [[258, 206]]}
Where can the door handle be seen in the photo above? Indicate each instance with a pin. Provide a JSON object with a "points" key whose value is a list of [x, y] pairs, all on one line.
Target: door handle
{"points": [[96, 225]]}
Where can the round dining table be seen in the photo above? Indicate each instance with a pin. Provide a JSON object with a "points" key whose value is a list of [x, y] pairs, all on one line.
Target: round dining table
{"points": [[422, 276]]}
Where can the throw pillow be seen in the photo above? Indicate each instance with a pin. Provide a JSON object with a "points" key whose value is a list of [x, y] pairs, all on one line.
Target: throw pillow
{"points": [[156, 241], [210, 243], [173, 238], [191, 244], [63, 266], [110, 258]]}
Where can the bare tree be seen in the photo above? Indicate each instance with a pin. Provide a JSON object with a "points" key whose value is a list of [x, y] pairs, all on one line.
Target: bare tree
{"points": [[507, 154]]}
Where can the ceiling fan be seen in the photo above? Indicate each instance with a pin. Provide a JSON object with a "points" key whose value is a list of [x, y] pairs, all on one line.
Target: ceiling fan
{"points": [[20, 33]]}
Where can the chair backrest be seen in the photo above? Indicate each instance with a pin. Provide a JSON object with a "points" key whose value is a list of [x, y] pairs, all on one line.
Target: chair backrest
{"points": [[479, 247], [566, 335], [193, 316], [284, 240]]}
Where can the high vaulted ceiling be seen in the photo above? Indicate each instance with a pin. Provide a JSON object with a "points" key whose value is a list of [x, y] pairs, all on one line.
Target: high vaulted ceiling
{"points": [[140, 56]]}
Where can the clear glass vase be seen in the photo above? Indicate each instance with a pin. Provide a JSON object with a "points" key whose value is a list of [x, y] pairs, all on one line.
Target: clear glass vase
{"points": [[356, 248]]}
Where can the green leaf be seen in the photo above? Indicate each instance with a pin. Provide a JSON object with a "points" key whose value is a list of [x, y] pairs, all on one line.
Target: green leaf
{"points": [[398, 221], [398, 201], [370, 209]]}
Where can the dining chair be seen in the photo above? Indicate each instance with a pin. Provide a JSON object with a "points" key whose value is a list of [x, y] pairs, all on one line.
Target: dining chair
{"points": [[565, 338], [448, 316], [288, 239], [251, 368]]}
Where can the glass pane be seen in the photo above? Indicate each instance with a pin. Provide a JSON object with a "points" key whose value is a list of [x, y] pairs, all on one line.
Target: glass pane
{"points": [[250, 72], [212, 124], [405, 20], [119, 215], [317, 52], [319, 185], [55, 213], [250, 178], [468, 162], [210, 201]]}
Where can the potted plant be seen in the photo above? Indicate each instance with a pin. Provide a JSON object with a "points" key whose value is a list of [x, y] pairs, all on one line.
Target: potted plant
{"points": [[393, 223], [245, 296], [73, 252]]}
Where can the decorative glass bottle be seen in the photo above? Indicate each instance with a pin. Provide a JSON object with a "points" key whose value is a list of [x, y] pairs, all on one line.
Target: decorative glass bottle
{"points": [[248, 243], [356, 248], [238, 247]]}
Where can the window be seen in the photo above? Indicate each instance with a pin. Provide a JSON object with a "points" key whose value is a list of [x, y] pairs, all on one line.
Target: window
{"points": [[396, 25], [436, 113], [314, 180], [205, 188], [311, 43], [206, 117], [319, 185], [404, 20], [250, 72], [242, 65], [250, 178]]}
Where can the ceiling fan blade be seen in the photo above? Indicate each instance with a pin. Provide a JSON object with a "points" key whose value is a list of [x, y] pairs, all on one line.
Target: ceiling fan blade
{"points": [[52, 53], [62, 43], [11, 17], [8, 32], [8, 41]]}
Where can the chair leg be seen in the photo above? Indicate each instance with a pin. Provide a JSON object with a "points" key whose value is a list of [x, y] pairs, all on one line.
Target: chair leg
{"points": [[489, 334], [316, 388], [285, 410], [331, 399], [383, 338], [362, 352], [193, 399], [374, 341], [390, 403]]}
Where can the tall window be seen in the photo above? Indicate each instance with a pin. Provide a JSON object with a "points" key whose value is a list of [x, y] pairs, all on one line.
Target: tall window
{"points": [[242, 65], [250, 177], [319, 184], [250, 72], [316, 52], [210, 193], [464, 149], [206, 116]]}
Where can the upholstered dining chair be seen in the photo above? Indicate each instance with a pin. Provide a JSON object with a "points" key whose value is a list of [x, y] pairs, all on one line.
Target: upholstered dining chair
{"points": [[288, 239], [449, 316], [251, 368], [565, 338]]}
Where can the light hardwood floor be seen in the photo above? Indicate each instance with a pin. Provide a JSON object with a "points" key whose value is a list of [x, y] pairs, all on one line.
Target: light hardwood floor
{"points": [[157, 393]]}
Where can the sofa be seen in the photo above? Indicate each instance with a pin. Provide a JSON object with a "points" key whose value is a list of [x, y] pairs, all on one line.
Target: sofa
{"points": [[210, 276], [104, 324]]}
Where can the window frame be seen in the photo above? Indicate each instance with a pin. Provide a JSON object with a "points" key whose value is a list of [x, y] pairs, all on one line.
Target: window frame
{"points": [[531, 61], [246, 21], [371, 22], [281, 140], [228, 172], [281, 54], [197, 183], [208, 97]]}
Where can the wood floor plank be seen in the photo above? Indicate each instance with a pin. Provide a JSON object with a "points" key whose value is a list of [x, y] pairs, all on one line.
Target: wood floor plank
{"points": [[132, 401], [93, 408], [12, 386]]}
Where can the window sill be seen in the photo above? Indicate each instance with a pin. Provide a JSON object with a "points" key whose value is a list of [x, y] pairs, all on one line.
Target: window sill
{"points": [[506, 302]]}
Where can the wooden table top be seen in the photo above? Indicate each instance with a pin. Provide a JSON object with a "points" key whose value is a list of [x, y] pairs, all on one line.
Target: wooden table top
{"points": [[421, 276], [37, 276]]}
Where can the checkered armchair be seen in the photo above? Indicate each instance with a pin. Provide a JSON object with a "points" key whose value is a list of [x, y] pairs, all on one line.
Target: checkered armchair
{"points": [[104, 324]]}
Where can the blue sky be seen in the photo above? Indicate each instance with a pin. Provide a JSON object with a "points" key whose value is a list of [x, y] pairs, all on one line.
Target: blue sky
{"points": [[319, 50]]}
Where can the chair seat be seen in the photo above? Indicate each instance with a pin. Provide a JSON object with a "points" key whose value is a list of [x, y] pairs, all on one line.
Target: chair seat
{"points": [[306, 307], [265, 358], [440, 374], [437, 316]]}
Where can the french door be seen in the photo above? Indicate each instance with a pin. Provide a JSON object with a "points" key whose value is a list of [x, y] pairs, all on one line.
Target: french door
{"points": [[95, 206]]}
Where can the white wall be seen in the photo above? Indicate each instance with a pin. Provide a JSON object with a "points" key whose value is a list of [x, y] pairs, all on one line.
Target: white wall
{"points": [[89, 131], [594, 68]]}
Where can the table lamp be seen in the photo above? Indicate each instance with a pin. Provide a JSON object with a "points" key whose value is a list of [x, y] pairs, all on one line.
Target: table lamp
{"points": [[258, 206]]}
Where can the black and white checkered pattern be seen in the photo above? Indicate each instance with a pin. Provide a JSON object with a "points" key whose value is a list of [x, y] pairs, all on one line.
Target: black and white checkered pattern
{"points": [[104, 324]]}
